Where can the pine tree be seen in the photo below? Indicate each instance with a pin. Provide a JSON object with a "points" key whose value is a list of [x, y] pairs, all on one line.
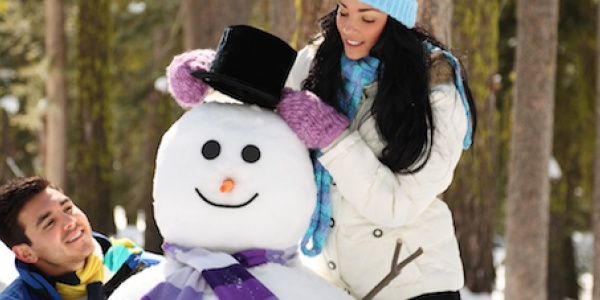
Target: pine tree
{"points": [[435, 16], [527, 212], [472, 196], [204, 21], [596, 196], [94, 158], [573, 145], [310, 11], [57, 115], [282, 19]]}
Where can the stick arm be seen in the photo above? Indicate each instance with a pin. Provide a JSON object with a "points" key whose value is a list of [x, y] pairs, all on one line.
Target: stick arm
{"points": [[395, 270]]}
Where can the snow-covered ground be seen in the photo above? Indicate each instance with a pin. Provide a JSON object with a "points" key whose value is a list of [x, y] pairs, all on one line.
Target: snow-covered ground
{"points": [[583, 244], [584, 255], [7, 266]]}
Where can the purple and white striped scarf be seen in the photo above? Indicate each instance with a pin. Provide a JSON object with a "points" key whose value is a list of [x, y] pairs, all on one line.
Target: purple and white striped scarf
{"points": [[225, 274]]}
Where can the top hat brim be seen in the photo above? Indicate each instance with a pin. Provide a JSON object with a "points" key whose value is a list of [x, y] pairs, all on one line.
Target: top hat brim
{"points": [[238, 89]]}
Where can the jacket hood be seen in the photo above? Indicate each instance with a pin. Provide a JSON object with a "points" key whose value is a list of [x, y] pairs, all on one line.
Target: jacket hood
{"points": [[440, 71]]}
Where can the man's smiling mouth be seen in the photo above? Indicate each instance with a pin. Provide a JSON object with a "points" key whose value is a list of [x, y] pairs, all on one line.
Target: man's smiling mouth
{"points": [[223, 205], [75, 237]]}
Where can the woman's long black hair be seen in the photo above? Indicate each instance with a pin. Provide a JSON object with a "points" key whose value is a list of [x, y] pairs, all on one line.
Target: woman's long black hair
{"points": [[402, 108]]}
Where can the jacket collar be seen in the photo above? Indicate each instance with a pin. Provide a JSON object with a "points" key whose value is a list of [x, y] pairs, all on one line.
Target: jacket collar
{"points": [[41, 284]]}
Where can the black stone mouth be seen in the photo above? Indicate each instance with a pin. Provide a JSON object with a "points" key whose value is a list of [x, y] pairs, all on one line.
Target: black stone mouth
{"points": [[223, 205]]}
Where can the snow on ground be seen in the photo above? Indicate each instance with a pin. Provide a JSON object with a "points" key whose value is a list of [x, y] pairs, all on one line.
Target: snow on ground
{"points": [[7, 266], [466, 294], [586, 282], [583, 246], [584, 256]]}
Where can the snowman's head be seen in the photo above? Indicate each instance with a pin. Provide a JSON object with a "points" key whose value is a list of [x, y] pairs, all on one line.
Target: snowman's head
{"points": [[233, 177]]}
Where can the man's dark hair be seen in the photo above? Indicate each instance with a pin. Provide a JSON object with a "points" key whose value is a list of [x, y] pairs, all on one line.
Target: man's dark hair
{"points": [[13, 196]]}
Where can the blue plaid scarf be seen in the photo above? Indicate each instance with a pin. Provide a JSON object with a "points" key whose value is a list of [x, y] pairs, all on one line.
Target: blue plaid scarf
{"points": [[357, 75], [225, 274]]}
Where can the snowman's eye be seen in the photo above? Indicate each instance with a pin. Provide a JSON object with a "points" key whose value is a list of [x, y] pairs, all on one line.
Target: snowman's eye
{"points": [[250, 154], [211, 149]]}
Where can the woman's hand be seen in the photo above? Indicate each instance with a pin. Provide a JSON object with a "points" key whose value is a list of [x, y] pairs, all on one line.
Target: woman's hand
{"points": [[315, 123]]}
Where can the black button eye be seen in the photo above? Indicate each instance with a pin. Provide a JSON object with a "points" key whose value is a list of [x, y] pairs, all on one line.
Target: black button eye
{"points": [[211, 149], [250, 154]]}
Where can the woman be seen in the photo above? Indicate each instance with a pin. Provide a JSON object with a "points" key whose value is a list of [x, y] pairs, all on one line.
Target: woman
{"points": [[397, 117]]}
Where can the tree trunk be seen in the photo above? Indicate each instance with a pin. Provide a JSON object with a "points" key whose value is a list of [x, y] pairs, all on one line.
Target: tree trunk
{"points": [[562, 274], [7, 148], [157, 110], [527, 208], [157, 121], [555, 286], [596, 195], [282, 17], [55, 162], [204, 21], [472, 197], [94, 159], [310, 12], [573, 136], [435, 16]]}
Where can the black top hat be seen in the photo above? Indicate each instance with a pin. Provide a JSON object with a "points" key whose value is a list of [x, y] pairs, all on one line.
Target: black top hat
{"points": [[250, 65]]}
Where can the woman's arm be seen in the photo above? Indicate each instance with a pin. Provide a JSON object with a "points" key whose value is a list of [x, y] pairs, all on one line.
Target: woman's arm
{"points": [[301, 68], [387, 198]]}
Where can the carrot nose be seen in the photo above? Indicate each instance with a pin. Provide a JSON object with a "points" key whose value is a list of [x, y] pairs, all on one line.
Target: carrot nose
{"points": [[227, 186]]}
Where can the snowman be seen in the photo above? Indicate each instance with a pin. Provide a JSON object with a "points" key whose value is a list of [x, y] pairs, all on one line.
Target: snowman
{"points": [[233, 186]]}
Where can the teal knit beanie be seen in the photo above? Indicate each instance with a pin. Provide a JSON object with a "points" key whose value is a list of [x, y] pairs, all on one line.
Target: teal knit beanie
{"points": [[405, 11]]}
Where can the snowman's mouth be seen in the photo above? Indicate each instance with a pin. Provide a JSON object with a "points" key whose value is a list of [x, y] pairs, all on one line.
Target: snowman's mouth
{"points": [[224, 205]]}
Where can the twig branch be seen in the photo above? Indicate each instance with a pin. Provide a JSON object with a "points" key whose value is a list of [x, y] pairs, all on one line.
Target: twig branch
{"points": [[395, 271]]}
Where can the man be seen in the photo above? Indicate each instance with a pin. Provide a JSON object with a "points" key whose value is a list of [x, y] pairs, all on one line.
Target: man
{"points": [[57, 254]]}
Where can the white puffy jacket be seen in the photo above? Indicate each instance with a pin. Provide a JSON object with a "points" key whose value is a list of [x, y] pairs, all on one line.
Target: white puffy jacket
{"points": [[372, 206]]}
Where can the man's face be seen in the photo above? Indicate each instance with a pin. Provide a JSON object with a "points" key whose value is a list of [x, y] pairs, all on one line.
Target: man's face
{"points": [[60, 234]]}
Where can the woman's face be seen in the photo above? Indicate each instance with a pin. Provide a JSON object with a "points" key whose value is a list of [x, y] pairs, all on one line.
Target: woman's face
{"points": [[360, 26]]}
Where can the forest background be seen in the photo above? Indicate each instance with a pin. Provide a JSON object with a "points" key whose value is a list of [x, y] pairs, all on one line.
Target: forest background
{"points": [[83, 102]]}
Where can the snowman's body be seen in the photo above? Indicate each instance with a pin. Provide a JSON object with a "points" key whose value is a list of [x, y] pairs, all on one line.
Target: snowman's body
{"points": [[270, 204], [286, 282]]}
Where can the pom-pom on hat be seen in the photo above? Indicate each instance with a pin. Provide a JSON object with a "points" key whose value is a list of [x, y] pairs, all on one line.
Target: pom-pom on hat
{"points": [[250, 65], [405, 11]]}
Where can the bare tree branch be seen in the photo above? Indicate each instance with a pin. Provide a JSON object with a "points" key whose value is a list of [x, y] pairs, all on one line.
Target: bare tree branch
{"points": [[395, 270]]}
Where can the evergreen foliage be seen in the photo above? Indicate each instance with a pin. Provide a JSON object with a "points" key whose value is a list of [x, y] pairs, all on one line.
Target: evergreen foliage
{"points": [[22, 71]]}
